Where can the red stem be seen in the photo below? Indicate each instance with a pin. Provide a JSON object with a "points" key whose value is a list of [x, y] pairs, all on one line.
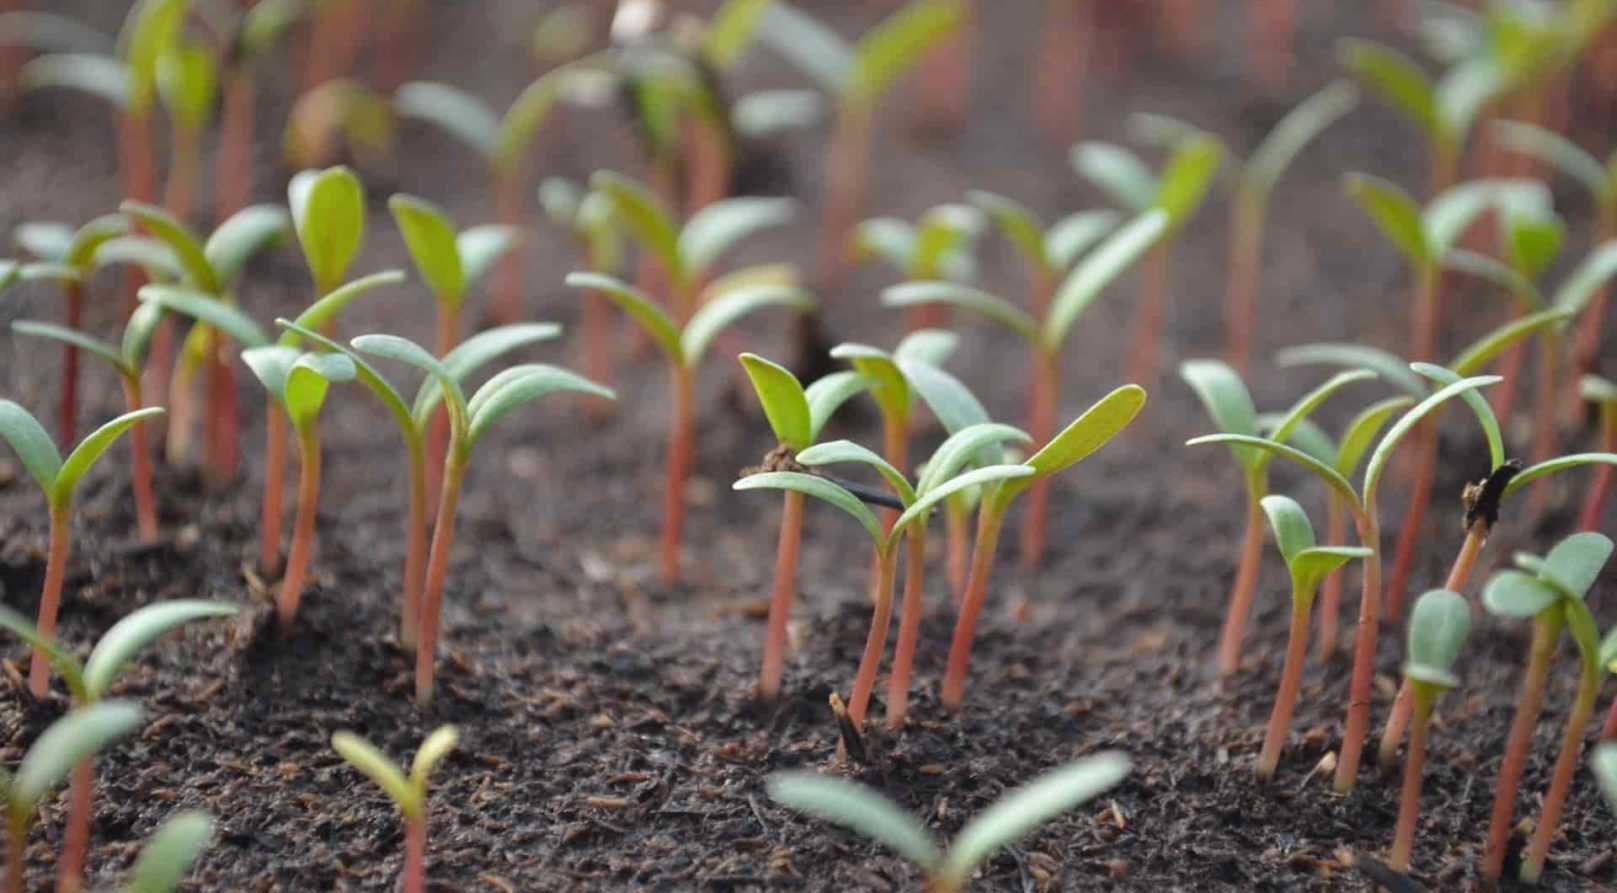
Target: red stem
{"points": [[1357, 723], [50, 598], [223, 428], [989, 521], [909, 629], [447, 336], [1403, 839], [957, 524], [1061, 64], [443, 536], [597, 346], [678, 468], [297, 564], [946, 80], [876, 641], [707, 165], [509, 207], [182, 172], [1245, 272], [1566, 765], [848, 164], [69, 410], [1595, 504], [1269, 42], [1148, 315], [234, 164], [140, 464], [783, 593], [76, 840], [415, 549], [1546, 634], [1330, 602], [1547, 386], [269, 522], [1286, 698], [1246, 581], [415, 853], [1420, 493], [1046, 394]]}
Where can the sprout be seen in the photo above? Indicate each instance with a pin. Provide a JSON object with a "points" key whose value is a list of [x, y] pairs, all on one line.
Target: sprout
{"points": [[1227, 401], [1011, 817], [408, 792], [328, 214], [588, 219], [469, 420], [187, 84], [1604, 394], [168, 856], [1551, 591], [338, 108], [1178, 191], [1438, 626], [936, 248], [796, 415], [65, 744], [1308, 564], [252, 34], [1604, 763], [58, 479]]}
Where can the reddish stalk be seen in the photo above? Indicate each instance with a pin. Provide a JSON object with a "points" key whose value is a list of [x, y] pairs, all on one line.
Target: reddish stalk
{"points": [[1595, 504], [415, 853], [1587, 352], [1180, 24], [1062, 62], [1546, 634], [848, 167], [1041, 424], [233, 188], [707, 167], [909, 631], [1357, 724], [1330, 600], [443, 536], [182, 173], [297, 564], [269, 523], [76, 840], [1269, 43], [946, 81], [1286, 699], [16, 853], [508, 207], [782, 595], [1566, 765], [1246, 581], [140, 464], [597, 346], [448, 335], [678, 468], [69, 411], [1148, 315], [12, 59], [50, 598], [334, 41], [1420, 493], [1403, 839], [182, 413], [958, 559], [223, 430], [989, 522], [876, 642], [1241, 288], [415, 549]]}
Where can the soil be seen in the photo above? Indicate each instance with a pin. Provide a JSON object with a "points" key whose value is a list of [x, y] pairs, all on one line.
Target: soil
{"points": [[611, 739]]}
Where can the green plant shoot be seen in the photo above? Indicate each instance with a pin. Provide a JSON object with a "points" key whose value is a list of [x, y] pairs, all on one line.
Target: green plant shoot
{"points": [[407, 791]]}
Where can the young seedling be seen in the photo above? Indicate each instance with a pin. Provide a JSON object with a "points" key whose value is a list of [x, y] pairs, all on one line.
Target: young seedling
{"points": [[937, 247], [249, 38], [1551, 591], [1013, 816], [1308, 563], [89, 682], [339, 116], [59, 480], [587, 217], [684, 340], [1255, 183], [413, 421], [1049, 255], [469, 420], [1178, 191], [796, 415], [66, 743], [170, 852], [187, 85], [1228, 402], [1603, 393], [408, 792], [1438, 627], [328, 215]]}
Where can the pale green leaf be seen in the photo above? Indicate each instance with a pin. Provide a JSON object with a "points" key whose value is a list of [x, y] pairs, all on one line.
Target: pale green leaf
{"points": [[1588, 279], [943, 239], [1438, 626], [1227, 401], [328, 213], [1072, 235], [367, 376], [783, 399], [826, 395], [1292, 530], [430, 237], [1514, 284], [119, 645], [45, 241], [821, 489], [1464, 91], [840, 451], [896, 44], [1324, 472], [1083, 436], [1551, 466], [151, 255], [138, 332], [1186, 178], [169, 854], [716, 228], [1597, 390], [948, 398], [1557, 151], [409, 353], [105, 78], [721, 312], [1301, 126], [1395, 215], [206, 309], [271, 364], [1004, 475], [431, 752], [1585, 632], [1311, 566], [1389, 367], [978, 443], [1018, 224], [519, 385], [1577, 560], [1476, 356], [90, 449], [74, 337], [766, 113], [1479, 407], [640, 214], [859, 809], [188, 83], [1397, 80], [1406, 422], [1117, 172], [533, 106], [1453, 212], [60, 660], [933, 346], [1604, 763], [187, 248], [376, 766], [244, 234], [265, 23], [731, 30], [481, 247], [1098, 270], [458, 113], [888, 238], [1303, 408], [324, 311], [308, 382], [1513, 593], [151, 28], [79, 735], [993, 307]]}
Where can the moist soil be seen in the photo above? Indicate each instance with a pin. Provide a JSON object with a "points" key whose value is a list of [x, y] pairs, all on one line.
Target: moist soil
{"points": [[611, 739]]}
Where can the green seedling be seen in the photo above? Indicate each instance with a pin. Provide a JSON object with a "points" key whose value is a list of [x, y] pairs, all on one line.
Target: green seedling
{"points": [[1438, 626], [1229, 404], [1603, 393], [797, 415], [684, 341], [857, 76], [469, 420], [168, 855], [1363, 508], [337, 116], [1013, 816], [328, 215], [587, 217], [89, 682], [414, 421], [1604, 764], [1255, 183], [65, 744], [1551, 591], [250, 36], [1309, 564], [187, 85], [937, 247], [408, 792], [58, 479], [1178, 190]]}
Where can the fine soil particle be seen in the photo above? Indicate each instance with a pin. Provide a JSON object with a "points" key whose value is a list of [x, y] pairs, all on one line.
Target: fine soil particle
{"points": [[610, 736]]}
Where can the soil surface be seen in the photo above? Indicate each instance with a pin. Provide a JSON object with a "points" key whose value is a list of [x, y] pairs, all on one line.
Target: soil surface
{"points": [[611, 739]]}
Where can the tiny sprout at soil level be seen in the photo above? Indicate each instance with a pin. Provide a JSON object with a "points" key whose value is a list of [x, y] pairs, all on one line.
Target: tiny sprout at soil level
{"points": [[407, 791], [1438, 626]]}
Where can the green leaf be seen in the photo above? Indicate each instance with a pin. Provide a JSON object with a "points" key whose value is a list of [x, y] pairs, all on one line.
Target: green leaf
{"points": [[1096, 272], [152, 256], [150, 30], [1018, 224], [561, 200], [408, 352], [859, 809], [138, 333], [99, 76], [1604, 763], [1395, 215], [431, 752], [188, 83], [265, 23], [826, 395], [1072, 235], [90, 449], [1324, 472], [1595, 389], [643, 217], [244, 234], [1303, 408], [188, 250], [1160, 131], [1301, 126], [1450, 214], [1086, 434], [1517, 594], [1464, 91], [533, 105], [74, 337], [46, 241], [519, 385], [60, 660], [79, 735], [1307, 436], [763, 114], [1438, 626], [1514, 284], [821, 489], [1293, 532], [206, 309], [888, 238], [838, 451], [1389, 367], [1589, 277], [1484, 350], [1117, 172], [1397, 80], [1551, 466], [716, 228], [430, 236], [931, 346], [977, 443], [271, 364], [943, 239], [376, 766], [1557, 151], [135, 631], [949, 400], [481, 247], [1004, 475], [1186, 178], [1532, 244], [1580, 623], [730, 30], [784, 401], [1577, 560], [1406, 422], [308, 381], [1029, 806], [323, 311], [367, 376], [458, 113], [719, 313], [814, 48], [1227, 401], [1311, 566], [1479, 408], [169, 854], [896, 44], [996, 309], [87, 240], [328, 213], [473, 353]]}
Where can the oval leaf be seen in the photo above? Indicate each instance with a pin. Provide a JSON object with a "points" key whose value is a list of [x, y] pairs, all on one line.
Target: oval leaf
{"points": [[784, 401], [328, 213], [638, 306], [430, 236], [847, 451], [128, 636], [857, 808]]}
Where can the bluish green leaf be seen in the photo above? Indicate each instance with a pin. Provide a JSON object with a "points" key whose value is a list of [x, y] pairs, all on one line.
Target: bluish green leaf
{"points": [[1557, 151], [717, 228], [1117, 172], [323, 311], [207, 309], [1018, 224], [827, 394], [1292, 530], [1516, 594], [105, 78], [1476, 356], [1479, 408], [1589, 278], [1303, 408], [1098, 270], [90, 449], [1577, 560], [1518, 287], [1324, 472], [859, 809], [458, 113], [812, 47], [762, 114], [154, 258], [1301, 126], [61, 661], [950, 401], [1438, 626], [1392, 369], [1551, 466], [841, 451], [1072, 235], [519, 385], [1311, 566], [74, 337], [1406, 422], [481, 247], [244, 234], [978, 443], [888, 238], [993, 307], [721, 312], [821, 489], [367, 376], [79, 735], [119, 645], [1227, 401], [271, 364], [187, 248], [1002, 475]]}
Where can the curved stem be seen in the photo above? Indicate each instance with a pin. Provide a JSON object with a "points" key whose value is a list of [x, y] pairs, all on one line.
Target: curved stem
{"points": [[1420, 493], [140, 465], [1041, 425], [1330, 602], [415, 549], [297, 564], [1546, 634], [50, 597], [989, 520], [1357, 723], [1566, 765], [69, 409], [1245, 275], [1403, 838], [876, 641], [415, 854], [443, 536], [1290, 680], [909, 629], [76, 840], [678, 468], [783, 593], [1246, 581], [269, 523]]}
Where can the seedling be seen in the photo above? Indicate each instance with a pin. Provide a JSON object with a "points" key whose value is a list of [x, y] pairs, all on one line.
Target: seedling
{"points": [[684, 344], [1366, 522], [1551, 591], [469, 420], [170, 852], [339, 115], [414, 422], [1603, 393], [328, 214], [796, 415], [1438, 627], [66, 743], [1178, 191], [89, 682], [59, 480], [408, 792], [250, 37], [1308, 563], [1248, 212], [187, 84], [1228, 402], [1604, 764], [587, 217], [1014, 815], [1049, 256], [937, 247]]}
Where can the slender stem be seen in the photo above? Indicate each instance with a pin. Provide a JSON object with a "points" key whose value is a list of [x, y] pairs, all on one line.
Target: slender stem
{"points": [[1270, 42], [140, 184], [1246, 581], [1423, 328], [1357, 723], [1546, 634], [269, 523], [1546, 387], [597, 346], [297, 564], [1041, 425], [509, 189], [16, 852], [848, 163], [234, 165], [140, 464], [708, 166], [1420, 494], [1592, 328], [447, 329], [946, 80], [182, 408], [783, 593], [1245, 274], [76, 841], [957, 524], [1062, 60], [182, 172], [989, 520], [1148, 314], [415, 853], [1566, 765], [864, 682], [415, 548], [223, 429], [443, 536], [1290, 680], [1330, 602], [909, 628], [50, 598], [1403, 838], [1595, 504], [678, 468], [69, 410]]}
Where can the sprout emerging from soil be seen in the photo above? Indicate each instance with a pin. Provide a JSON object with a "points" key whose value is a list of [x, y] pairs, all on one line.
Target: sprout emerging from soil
{"points": [[1438, 627], [1603, 393], [1013, 816], [168, 856], [58, 479], [65, 744], [1308, 563], [469, 420], [408, 792], [587, 217], [936, 248], [1551, 591]]}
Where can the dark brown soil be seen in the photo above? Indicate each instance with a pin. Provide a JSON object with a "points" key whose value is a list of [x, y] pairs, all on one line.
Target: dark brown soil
{"points": [[610, 737]]}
